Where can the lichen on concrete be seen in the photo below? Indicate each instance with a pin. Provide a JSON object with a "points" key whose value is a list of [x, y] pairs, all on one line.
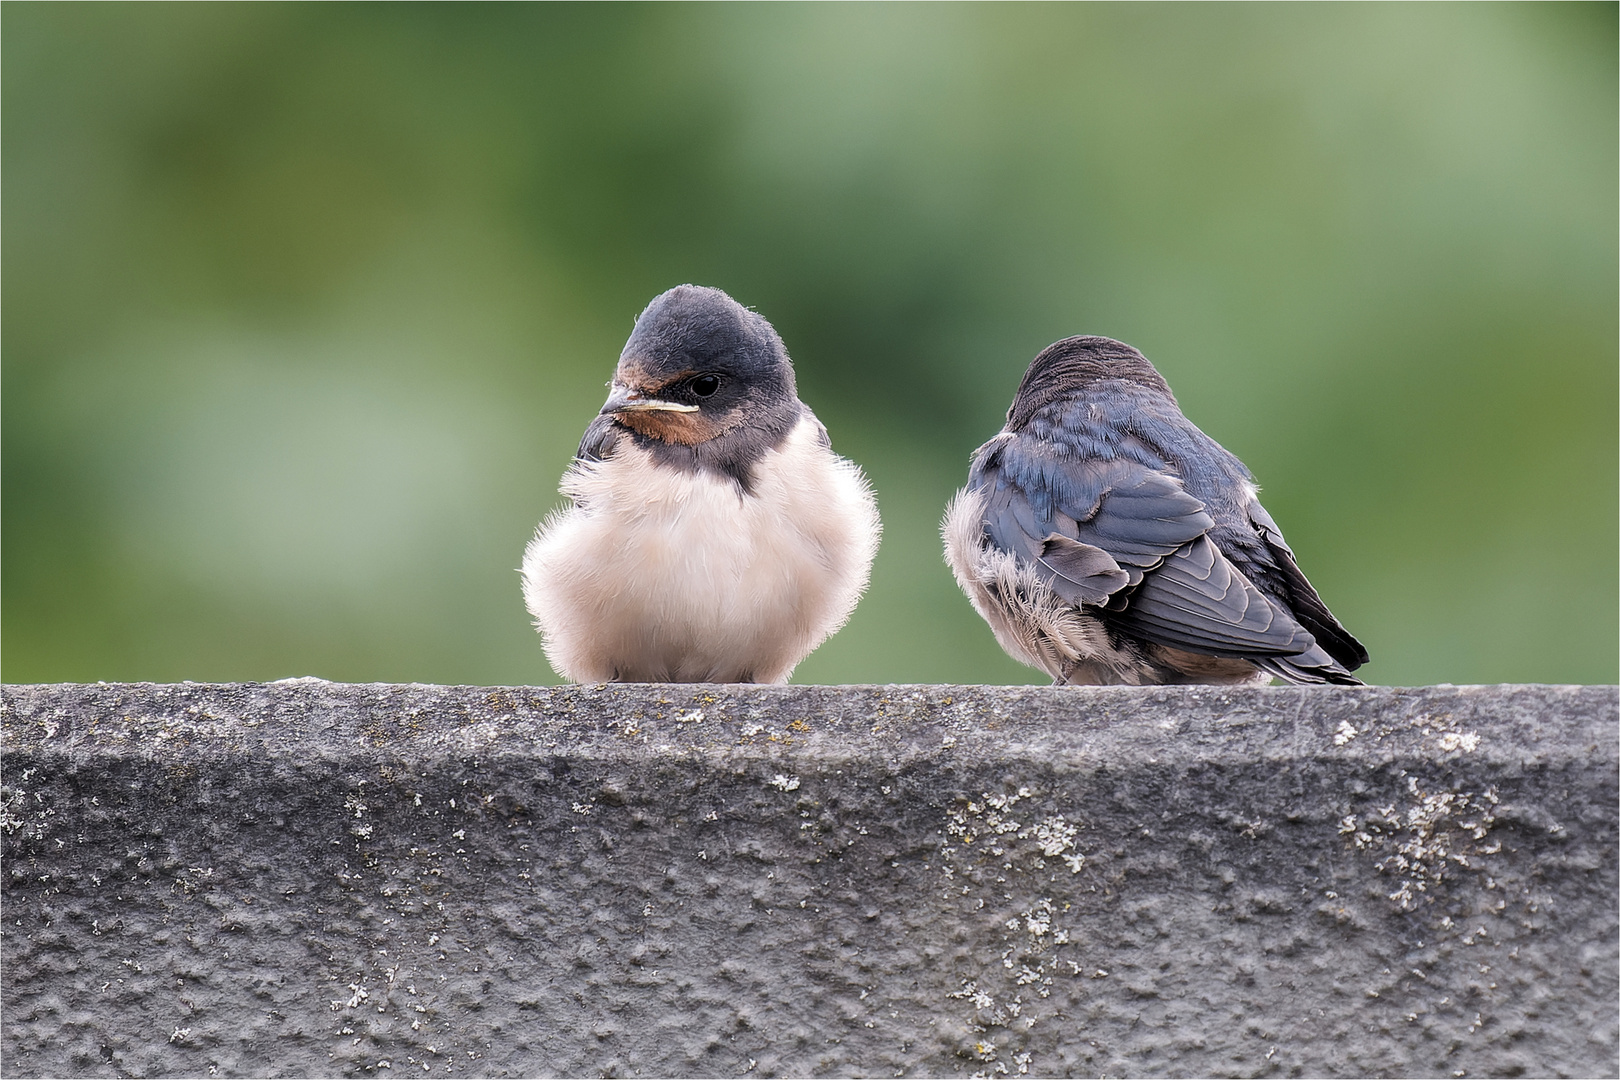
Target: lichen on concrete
{"points": [[312, 878]]}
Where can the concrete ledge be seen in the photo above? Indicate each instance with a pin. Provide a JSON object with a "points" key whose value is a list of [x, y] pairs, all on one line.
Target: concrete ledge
{"points": [[308, 878]]}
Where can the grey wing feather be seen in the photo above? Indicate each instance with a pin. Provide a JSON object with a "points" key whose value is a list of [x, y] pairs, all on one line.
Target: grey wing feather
{"points": [[1138, 515], [1301, 598], [1092, 528], [1169, 584], [1313, 665], [1198, 600], [1080, 573]]}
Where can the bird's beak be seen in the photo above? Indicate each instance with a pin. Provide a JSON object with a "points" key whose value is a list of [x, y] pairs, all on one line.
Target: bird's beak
{"points": [[629, 399]]}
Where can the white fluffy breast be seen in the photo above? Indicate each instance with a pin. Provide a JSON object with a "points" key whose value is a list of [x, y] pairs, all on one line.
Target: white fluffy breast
{"points": [[658, 574]]}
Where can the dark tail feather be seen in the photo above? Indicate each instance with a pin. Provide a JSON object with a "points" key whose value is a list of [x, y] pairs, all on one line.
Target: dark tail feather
{"points": [[1311, 667]]}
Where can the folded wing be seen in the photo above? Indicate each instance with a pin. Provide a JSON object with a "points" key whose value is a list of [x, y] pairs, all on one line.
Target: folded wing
{"points": [[1128, 539]]}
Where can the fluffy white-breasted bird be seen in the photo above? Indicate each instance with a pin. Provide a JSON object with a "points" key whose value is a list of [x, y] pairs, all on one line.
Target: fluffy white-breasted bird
{"points": [[713, 535]]}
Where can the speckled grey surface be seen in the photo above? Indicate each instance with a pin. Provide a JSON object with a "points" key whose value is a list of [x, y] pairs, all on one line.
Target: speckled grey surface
{"points": [[310, 878]]}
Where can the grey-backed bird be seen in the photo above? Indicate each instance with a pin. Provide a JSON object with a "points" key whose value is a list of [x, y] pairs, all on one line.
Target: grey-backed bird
{"points": [[713, 535], [1105, 539]]}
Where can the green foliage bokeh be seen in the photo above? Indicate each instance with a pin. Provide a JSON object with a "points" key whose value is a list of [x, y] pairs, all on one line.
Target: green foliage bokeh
{"points": [[305, 306]]}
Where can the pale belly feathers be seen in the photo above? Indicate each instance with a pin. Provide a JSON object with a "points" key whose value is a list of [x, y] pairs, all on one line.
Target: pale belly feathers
{"points": [[657, 574]]}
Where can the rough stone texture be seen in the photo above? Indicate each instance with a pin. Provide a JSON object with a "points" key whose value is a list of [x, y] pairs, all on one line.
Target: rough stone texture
{"points": [[312, 878]]}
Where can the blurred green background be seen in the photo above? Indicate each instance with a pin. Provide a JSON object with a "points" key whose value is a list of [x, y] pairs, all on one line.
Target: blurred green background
{"points": [[306, 306]]}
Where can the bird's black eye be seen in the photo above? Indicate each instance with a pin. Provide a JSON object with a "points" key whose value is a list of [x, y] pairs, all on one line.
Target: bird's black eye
{"points": [[705, 385]]}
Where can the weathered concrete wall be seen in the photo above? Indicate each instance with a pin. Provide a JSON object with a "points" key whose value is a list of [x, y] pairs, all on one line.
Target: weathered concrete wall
{"points": [[311, 878]]}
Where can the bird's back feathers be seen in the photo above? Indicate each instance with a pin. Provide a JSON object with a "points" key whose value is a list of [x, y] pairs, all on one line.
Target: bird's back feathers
{"points": [[1121, 507]]}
